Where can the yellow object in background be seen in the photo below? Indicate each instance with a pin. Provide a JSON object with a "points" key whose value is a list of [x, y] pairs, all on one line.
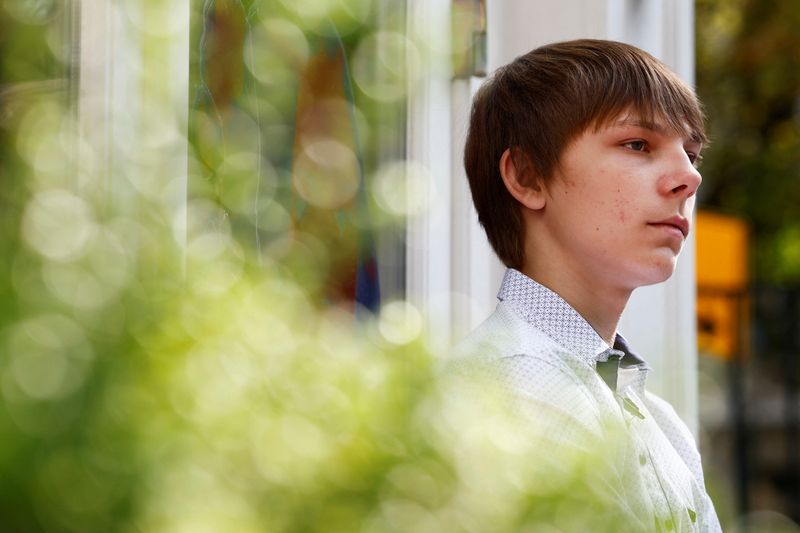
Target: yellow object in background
{"points": [[719, 322], [722, 280], [722, 251]]}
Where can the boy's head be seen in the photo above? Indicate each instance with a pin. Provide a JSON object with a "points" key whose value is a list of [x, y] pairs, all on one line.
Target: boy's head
{"points": [[536, 105]]}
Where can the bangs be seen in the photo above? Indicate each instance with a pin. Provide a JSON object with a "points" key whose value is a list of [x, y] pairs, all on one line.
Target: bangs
{"points": [[655, 94], [678, 118]]}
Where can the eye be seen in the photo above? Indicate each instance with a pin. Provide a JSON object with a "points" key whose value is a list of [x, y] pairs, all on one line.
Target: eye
{"points": [[636, 146], [695, 158]]}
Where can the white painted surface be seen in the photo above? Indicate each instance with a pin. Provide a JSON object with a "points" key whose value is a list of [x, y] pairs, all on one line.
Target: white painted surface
{"points": [[477, 271], [517, 26], [98, 27], [133, 104], [429, 139]]}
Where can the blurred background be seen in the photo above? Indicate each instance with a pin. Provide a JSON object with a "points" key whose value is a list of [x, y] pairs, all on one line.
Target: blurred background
{"points": [[236, 238], [747, 264]]}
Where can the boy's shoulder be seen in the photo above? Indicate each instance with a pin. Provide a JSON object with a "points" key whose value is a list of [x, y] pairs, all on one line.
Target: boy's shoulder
{"points": [[544, 384], [524, 361], [503, 334]]}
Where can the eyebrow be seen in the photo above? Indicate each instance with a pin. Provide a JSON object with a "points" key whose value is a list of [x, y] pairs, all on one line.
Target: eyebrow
{"points": [[655, 127], [644, 124]]}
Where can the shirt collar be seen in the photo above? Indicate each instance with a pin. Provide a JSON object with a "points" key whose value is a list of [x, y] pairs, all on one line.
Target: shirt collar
{"points": [[631, 358], [551, 314]]}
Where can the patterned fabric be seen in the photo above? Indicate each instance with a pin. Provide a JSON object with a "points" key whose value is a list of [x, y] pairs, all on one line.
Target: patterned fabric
{"points": [[543, 352], [548, 312]]}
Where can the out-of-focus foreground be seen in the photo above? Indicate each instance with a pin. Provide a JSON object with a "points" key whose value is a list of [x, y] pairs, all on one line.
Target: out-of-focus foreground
{"points": [[185, 335]]}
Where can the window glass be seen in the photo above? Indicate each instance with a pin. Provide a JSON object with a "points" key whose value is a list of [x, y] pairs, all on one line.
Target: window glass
{"points": [[295, 106]]}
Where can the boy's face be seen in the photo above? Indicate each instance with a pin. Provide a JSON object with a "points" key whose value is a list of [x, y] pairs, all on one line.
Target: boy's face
{"points": [[620, 203]]}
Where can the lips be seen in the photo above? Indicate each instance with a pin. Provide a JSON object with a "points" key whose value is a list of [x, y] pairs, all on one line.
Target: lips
{"points": [[677, 222]]}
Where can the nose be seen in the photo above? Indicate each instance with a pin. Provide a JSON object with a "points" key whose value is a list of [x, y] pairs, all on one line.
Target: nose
{"points": [[681, 178]]}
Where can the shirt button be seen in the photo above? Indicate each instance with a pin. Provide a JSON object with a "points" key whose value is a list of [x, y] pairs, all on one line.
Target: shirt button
{"points": [[642, 459]]}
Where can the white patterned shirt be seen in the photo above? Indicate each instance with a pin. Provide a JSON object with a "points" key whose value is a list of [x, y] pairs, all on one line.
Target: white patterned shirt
{"points": [[546, 355]]}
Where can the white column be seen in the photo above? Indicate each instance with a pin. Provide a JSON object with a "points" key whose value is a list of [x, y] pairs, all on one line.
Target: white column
{"points": [[477, 271], [98, 29], [133, 101], [429, 138], [517, 26]]}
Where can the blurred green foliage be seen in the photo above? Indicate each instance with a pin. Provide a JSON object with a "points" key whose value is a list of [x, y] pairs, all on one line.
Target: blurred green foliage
{"points": [[748, 76], [156, 382]]}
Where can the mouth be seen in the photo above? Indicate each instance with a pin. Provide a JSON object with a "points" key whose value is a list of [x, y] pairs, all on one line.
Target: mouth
{"points": [[677, 222]]}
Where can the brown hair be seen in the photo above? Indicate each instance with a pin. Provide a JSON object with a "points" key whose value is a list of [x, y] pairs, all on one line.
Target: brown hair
{"points": [[544, 99]]}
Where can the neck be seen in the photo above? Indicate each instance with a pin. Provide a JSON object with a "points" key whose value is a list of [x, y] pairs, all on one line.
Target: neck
{"points": [[601, 306]]}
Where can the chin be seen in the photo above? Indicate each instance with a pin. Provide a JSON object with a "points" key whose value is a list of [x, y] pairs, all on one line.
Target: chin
{"points": [[656, 272]]}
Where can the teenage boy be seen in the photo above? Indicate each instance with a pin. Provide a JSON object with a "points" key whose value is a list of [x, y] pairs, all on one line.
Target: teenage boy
{"points": [[581, 158]]}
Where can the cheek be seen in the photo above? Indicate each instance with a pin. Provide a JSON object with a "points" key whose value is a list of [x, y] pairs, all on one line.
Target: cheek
{"points": [[624, 199], [617, 203], [622, 207], [609, 192]]}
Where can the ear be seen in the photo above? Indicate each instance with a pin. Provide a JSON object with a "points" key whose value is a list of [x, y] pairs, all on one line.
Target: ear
{"points": [[521, 180]]}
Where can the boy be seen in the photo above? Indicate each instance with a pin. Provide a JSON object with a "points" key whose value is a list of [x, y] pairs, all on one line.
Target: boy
{"points": [[581, 158]]}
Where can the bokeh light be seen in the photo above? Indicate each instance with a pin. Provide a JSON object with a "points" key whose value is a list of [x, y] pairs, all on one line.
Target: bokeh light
{"points": [[404, 188], [159, 19], [279, 48], [58, 225], [400, 322], [327, 174], [50, 356], [386, 66]]}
